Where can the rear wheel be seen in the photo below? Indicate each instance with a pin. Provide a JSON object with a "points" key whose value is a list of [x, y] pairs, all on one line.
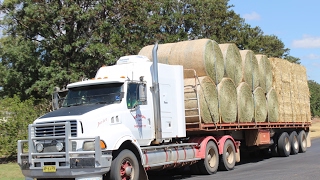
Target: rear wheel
{"points": [[125, 166], [294, 142], [228, 157], [209, 165], [284, 147], [302, 139]]}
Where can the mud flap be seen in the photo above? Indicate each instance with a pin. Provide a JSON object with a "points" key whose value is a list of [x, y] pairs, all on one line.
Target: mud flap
{"points": [[308, 139]]}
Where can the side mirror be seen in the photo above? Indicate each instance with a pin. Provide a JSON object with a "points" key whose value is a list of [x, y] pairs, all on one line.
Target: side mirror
{"points": [[55, 98], [142, 93]]}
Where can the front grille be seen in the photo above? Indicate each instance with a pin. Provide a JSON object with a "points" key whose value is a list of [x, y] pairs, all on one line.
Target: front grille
{"points": [[55, 130]]}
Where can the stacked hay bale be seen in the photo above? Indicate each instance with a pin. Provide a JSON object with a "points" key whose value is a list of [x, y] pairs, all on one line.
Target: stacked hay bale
{"points": [[300, 93], [236, 86], [232, 62], [208, 96], [291, 86]]}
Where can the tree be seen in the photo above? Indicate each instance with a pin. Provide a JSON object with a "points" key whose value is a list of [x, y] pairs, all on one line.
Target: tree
{"points": [[64, 41], [314, 88]]}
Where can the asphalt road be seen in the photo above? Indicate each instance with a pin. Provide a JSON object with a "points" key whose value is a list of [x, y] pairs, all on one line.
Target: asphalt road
{"points": [[295, 167]]}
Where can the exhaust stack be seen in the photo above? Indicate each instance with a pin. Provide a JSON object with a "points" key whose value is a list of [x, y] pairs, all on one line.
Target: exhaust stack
{"points": [[156, 97]]}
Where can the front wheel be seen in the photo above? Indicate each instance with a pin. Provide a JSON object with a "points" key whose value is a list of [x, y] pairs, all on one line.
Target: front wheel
{"points": [[125, 166]]}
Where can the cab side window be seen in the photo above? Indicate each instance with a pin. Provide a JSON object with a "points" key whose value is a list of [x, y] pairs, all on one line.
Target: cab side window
{"points": [[132, 95]]}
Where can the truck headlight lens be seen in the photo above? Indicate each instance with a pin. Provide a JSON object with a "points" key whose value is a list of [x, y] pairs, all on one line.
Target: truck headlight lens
{"points": [[59, 146], [89, 145], [39, 147]]}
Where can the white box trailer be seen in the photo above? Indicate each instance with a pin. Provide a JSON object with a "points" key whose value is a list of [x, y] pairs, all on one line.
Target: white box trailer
{"points": [[130, 119]]}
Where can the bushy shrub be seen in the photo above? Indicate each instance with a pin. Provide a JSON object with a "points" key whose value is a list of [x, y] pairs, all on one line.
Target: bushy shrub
{"points": [[15, 116]]}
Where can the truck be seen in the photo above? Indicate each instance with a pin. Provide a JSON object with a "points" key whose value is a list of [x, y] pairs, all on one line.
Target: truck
{"points": [[131, 119]]}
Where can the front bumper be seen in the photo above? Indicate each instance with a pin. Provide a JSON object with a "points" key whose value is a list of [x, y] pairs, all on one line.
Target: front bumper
{"points": [[67, 164]]}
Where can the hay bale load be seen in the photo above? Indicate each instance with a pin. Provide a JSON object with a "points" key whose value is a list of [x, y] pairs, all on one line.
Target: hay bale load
{"points": [[227, 96], [163, 52], [272, 106], [250, 68], [245, 103], [291, 85], [237, 86], [282, 84], [232, 62], [208, 98], [265, 71], [203, 55], [300, 93], [260, 105]]}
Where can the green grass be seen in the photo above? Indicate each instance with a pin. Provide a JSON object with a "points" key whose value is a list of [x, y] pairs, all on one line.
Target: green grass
{"points": [[10, 171]]}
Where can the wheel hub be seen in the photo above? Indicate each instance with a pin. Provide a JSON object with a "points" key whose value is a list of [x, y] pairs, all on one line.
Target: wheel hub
{"points": [[126, 170]]}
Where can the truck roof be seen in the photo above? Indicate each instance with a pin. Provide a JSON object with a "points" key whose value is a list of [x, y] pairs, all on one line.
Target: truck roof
{"points": [[96, 82]]}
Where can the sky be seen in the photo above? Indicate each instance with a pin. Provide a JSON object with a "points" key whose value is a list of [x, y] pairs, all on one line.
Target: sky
{"points": [[295, 22]]}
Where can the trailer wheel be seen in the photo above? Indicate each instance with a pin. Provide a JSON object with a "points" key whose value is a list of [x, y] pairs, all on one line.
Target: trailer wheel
{"points": [[284, 146], [125, 166], [210, 164], [302, 139], [228, 157], [294, 142]]}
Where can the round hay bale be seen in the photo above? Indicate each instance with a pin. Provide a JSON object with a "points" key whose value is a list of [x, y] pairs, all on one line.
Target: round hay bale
{"points": [[202, 55], [232, 62], [250, 68], [163, 52], [208, 100], [227, 96], [272, 106], [265, 70], [260, 105], [245, 103]]}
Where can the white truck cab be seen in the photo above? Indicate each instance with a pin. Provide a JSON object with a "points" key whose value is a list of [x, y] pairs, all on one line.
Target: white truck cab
{"points": [[105, 117]]}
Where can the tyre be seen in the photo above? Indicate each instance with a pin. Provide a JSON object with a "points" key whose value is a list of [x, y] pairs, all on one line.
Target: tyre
{"points": [[209, 165], [294, 142], [125, 166], [228, 157], [302, 139], [284, 147]]}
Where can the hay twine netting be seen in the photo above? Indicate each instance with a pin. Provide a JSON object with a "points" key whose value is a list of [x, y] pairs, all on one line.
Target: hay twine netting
{"points": [[260, 105], [250, 68], [265, 71], [245, 103], [203, 55], [163, 52], [272, 106], [232, 62], [208, 98], [227, 96]]}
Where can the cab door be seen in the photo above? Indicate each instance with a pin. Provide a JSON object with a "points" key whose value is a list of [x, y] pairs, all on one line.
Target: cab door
{"points": [[141, 114]]}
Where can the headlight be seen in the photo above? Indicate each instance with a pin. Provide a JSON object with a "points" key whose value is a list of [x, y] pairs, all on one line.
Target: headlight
{"points": [[89, 145], [59, 146], [39, 147]]}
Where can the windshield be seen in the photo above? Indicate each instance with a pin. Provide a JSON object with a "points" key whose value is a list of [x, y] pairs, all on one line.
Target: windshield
{"points": [[95, 94]]}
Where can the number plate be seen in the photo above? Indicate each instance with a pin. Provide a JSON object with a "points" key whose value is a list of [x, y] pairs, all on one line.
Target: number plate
{"points": [[49, 169]]}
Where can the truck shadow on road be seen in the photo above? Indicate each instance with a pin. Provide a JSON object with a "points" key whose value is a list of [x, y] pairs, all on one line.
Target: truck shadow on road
{"points": [[185, 173]]}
